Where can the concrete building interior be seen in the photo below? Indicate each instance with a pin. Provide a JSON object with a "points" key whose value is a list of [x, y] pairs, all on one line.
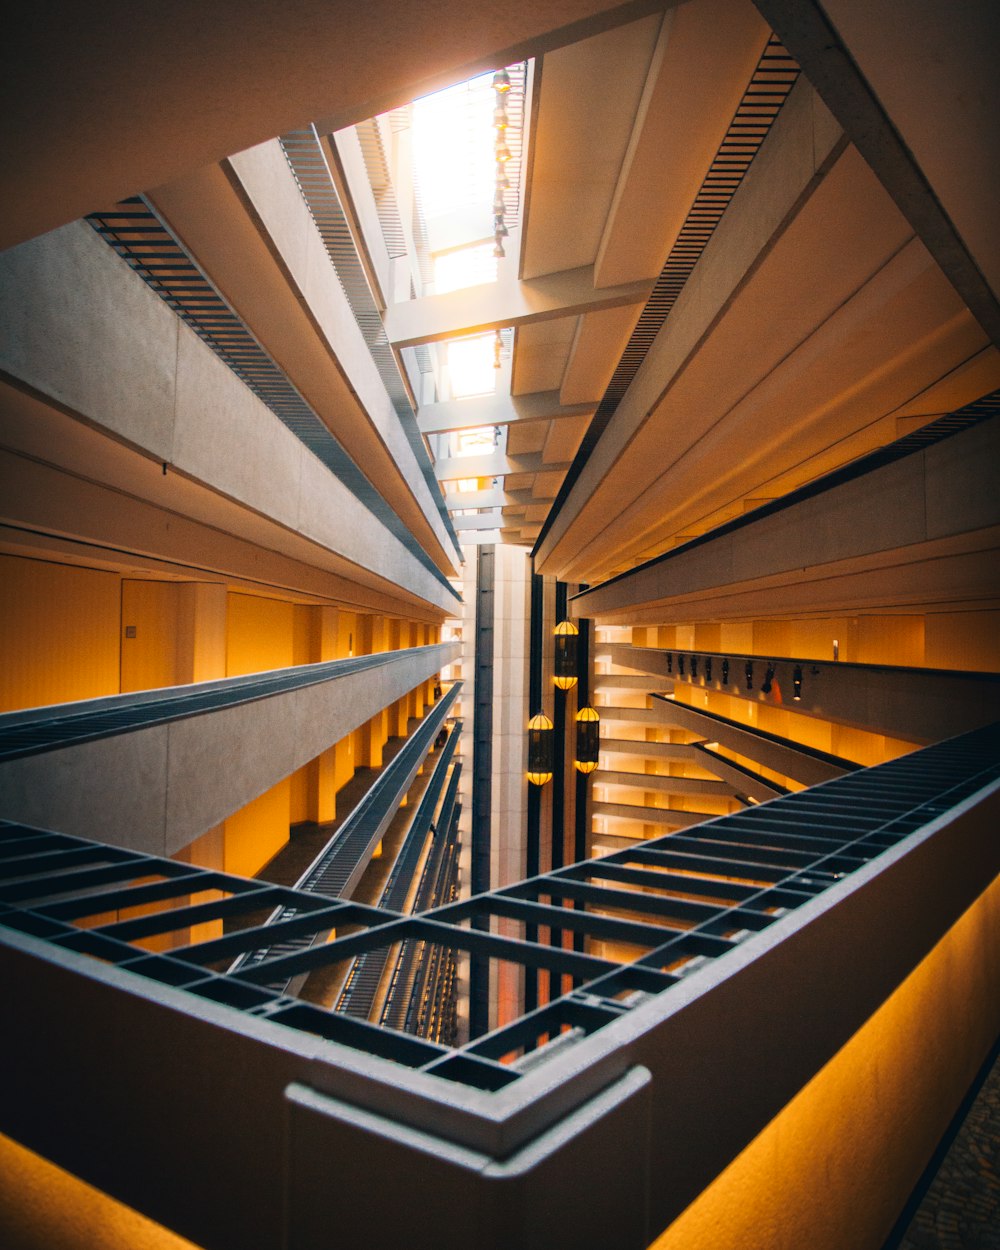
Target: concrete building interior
{"points": [[500, 621]]}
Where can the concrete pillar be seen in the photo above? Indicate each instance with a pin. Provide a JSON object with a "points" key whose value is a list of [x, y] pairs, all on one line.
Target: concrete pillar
{"points": [[419, 694], [201, 632], [373, 740], [399, 717]]}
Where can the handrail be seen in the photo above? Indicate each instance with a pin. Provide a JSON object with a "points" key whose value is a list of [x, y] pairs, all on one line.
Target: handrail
{"points": [[31, 732]]}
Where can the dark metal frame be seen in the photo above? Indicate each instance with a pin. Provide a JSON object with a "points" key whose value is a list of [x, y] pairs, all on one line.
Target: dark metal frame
{"points": [[702, 893]]}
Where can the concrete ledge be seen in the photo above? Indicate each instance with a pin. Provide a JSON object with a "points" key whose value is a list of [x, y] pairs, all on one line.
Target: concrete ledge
{"points": [[157, 789]]}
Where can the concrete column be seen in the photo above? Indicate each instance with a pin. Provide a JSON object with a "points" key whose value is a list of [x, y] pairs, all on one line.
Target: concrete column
{"points": [[201, 636], [399, 717], [373, 740], [419, 694]]}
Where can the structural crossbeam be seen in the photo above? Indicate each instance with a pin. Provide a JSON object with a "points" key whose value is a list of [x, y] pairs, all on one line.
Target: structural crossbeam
{"points": [[494, 306]]}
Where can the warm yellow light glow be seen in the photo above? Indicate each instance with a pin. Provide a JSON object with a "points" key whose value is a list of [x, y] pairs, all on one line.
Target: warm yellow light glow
{"points": [[43, 1206], [539, 756], [587, 766], [566, 627], [797, 1179], [470, 366], [565, 683]]}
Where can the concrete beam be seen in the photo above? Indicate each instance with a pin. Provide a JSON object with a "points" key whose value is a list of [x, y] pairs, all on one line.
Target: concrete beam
{"points": [[669, 816], [916, 89], [487, 521], [663, 784], [740, 780], [651, 750], [457, 500], [498, 464], [157, 789], [790, 166], [465, 414], [88, 337], [915, 532], [784, 756], [913, 704], [630, 681], [65, 90], [250, 231], [496, 305]]}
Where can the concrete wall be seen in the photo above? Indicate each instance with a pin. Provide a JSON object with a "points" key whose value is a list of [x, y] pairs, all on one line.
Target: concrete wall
{"points": [[90, 336], [157, 789]]}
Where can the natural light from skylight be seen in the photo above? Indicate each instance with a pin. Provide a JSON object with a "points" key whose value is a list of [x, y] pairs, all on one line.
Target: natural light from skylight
{"points": [[470, 366], [463, 267], [454, 167]]}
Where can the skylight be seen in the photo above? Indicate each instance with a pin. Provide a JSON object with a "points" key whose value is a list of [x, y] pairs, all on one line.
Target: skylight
{"points": [[470, 366], [454, 164]]}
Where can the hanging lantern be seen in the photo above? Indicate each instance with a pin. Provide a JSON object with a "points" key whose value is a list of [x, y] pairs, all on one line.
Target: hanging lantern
{"points": [[541, 749], [565, 666], [588, 740], [501, 81]]}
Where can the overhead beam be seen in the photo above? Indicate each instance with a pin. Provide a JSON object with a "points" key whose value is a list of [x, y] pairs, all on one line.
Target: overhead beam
{"points": [[663, 783], [71, 81], [919, 531], [651, 815], [783, 755], [916, 89], [456, 500], [496, 464], [495, 305], [797, 154], [482, 521], [466, 414]]}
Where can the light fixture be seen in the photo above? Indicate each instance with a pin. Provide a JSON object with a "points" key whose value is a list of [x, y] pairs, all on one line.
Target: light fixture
{"points": [[694, 666], [768, 680], [748, 670], [498, 251], [540, 749], [502, 151], [501, 81], [680, 665], [497, 349], [708, 668], [797, 684], [670, 662], [588, 740], [500, 121], [564, 673], [725, 672], [499, 225]]}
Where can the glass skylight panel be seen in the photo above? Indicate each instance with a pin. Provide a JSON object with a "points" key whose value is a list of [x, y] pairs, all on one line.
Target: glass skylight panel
{"points": [[470, 366], [454, 162], [464, 267]]}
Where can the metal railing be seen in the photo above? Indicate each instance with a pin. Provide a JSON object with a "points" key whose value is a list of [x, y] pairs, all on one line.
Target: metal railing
{"points": [[650, 914]]}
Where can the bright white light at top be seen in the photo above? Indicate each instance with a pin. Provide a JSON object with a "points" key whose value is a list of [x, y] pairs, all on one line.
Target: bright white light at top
{"points": [[470, 367], [453, 162], [463, 267], [477, 442]]}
